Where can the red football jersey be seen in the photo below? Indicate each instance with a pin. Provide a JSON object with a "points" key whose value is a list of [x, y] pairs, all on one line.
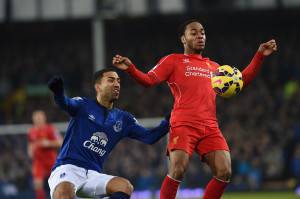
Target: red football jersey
{"points": [[189, 78], [35, 134]]}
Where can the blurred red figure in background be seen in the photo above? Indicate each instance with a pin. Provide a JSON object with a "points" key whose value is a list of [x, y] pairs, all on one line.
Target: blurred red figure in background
{"points": [[43, 142]]}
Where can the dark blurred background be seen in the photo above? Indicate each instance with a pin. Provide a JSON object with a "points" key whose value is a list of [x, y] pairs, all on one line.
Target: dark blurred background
{"points": [[41, 38]]}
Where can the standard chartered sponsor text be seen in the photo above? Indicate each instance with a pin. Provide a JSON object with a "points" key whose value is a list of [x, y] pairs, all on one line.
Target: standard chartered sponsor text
{"points": [[197, 71], [198, 74]]}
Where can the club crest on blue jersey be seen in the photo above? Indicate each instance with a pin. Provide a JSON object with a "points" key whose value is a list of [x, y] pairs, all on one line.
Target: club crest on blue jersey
{"points": [[118, 126]]}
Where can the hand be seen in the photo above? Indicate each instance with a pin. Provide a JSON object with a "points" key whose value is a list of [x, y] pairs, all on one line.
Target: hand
{"points": [[56, 85], [120, 62], [44, 143], [268, 48]]}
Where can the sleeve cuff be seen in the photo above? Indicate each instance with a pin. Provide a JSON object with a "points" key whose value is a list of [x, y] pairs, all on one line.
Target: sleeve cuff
{"points": [[130, 69], [259, 55]]}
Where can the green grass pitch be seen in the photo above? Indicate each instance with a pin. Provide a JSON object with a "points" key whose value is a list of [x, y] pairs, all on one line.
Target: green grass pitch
{"points": [[263, 195]]}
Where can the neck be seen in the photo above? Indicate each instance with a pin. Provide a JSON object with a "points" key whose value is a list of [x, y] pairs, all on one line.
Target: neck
{"points": [[189, 51], [39, 125], [104, 102]]}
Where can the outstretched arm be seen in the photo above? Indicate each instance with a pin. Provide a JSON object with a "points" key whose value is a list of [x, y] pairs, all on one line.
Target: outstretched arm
{"points": [[123, 63], [159, 73], [265, 49], [148, 136], [47, 143], [56, 85], [53, 140]]}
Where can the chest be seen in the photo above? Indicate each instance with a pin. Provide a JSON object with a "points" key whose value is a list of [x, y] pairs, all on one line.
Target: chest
{"points": [[103, 120], [192, 72], [38, 134], [100, 128]]}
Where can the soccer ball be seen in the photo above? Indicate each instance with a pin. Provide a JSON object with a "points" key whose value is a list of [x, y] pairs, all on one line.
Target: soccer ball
{"points": [[227, 81]]}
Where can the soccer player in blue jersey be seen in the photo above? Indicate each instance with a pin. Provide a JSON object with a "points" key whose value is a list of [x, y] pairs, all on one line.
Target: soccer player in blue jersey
{"points": [[95, 128]]}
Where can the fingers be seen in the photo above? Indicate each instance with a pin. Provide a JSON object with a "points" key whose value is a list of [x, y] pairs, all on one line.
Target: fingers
{"points": [[274, 47], [271, 45], [117, 59]]}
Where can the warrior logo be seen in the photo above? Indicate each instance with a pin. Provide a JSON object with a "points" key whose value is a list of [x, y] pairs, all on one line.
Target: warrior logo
{"points": [[185, 61]]}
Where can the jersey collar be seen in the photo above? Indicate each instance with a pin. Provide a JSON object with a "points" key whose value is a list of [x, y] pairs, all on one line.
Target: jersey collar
{"points": [[198, 56], [101, 106]]}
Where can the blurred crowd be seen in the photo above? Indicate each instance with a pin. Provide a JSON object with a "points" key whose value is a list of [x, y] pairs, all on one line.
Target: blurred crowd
{"points": [[261, 125]]}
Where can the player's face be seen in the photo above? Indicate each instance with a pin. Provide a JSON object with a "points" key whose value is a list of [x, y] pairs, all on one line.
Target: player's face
{"points": [[39, 118], [109, 86], [194, 37]]}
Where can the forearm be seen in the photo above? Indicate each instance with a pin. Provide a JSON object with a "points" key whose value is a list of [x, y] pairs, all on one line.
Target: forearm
{"points": [[55, 144], [144, 79], [252, 69], [155, 134], [30, 151], [69, 105], [61, 101]]}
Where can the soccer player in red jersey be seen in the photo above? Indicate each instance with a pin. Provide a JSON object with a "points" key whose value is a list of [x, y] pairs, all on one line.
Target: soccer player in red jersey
{"points": [[194, 126], [43, 142]]}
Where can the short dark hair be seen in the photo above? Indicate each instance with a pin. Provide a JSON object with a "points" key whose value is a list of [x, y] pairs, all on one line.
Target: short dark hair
{"points": [[99, 74], [182, 27]]}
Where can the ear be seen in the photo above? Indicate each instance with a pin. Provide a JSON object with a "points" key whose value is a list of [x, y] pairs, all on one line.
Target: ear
{"points": [[97, 87], [183, 39]]}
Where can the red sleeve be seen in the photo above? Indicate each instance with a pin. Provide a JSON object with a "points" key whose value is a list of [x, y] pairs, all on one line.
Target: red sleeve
{"points": [[252, 69], [159, 73], [52, 133]]}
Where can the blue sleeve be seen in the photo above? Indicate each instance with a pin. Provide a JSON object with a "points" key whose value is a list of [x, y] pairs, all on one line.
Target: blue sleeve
{"points": [[148, 136], [70, 105]]}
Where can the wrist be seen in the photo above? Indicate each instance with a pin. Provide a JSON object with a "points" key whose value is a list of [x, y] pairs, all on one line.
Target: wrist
{"points": [[59, 92], [130, 68], [259, 55]]}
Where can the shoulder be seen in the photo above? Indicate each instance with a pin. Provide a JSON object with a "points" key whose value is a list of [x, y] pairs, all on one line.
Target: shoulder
{"points": [[51, 127], [122, 112], [170, 57], [211, 62], [128, 117], [177, 57], [31, 133], [83, 99], [30, 130], [167, 60]]}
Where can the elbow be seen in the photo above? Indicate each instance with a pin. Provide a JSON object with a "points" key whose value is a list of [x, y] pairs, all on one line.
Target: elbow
{"points": [[245, 82], [147, 82]]}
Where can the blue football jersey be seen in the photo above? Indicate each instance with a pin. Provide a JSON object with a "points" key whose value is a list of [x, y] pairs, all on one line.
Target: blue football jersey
{"points": [[94, 131]]}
